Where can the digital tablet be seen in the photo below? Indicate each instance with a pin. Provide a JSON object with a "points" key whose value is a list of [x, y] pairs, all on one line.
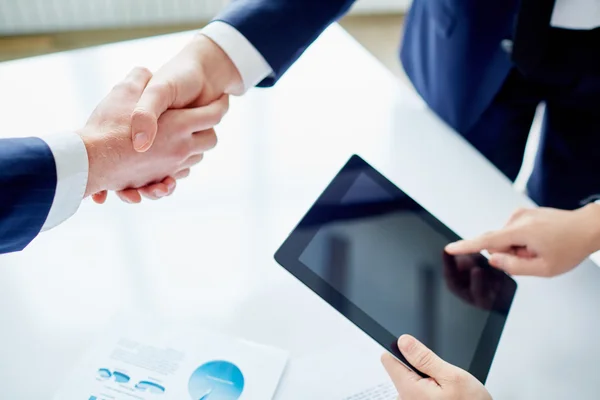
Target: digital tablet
{"points": [[377, 256]]}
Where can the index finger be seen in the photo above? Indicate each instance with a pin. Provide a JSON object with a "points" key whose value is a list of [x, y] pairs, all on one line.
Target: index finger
{"points": [[502, 239]]}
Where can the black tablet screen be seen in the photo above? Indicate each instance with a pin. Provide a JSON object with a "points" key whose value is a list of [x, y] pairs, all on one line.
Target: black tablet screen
{"points": [[385, 255]]}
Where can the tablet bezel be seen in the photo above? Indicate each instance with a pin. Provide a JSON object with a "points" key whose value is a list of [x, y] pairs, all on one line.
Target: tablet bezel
{"points": [[288, 256]]}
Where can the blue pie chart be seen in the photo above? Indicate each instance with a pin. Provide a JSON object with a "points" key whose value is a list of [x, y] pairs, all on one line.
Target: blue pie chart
{"points": [[216, 380]]}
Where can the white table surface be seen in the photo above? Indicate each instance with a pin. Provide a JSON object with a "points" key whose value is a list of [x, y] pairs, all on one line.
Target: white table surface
{"points": [[205, 255]]}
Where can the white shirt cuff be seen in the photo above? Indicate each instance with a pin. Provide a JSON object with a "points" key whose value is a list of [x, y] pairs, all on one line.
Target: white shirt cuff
{"points": [[251, 65], [71, 159]]}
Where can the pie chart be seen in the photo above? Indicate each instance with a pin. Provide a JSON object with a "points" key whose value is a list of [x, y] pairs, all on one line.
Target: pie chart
{"points": [[216, 380]]}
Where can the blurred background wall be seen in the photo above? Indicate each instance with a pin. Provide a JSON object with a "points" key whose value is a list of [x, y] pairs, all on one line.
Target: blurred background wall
{"points": [[33, 27], [34, 16]]}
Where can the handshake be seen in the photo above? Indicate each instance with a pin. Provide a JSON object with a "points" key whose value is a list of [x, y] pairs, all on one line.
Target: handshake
{"points": [[150, 130]]}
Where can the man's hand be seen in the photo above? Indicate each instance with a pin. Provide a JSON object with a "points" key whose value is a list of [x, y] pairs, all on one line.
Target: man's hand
{"points": [[447, 382], [539, 242], [200, 74], [115, 165]]}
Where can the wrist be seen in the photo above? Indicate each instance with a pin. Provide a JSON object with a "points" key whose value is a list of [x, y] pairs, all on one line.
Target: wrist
{"points": [[96, 158], [219, 70], [591, 220]]}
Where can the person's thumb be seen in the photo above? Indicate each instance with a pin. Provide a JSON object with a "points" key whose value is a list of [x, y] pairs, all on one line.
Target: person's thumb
{"points": [[156, 99], [423, 359]]}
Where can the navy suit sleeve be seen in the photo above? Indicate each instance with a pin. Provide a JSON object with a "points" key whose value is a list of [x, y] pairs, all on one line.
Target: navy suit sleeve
{"points": [[27, 188], [282, 29]]}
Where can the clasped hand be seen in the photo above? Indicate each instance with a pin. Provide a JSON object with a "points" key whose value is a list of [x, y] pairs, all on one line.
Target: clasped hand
{"points": [[150, 130]]}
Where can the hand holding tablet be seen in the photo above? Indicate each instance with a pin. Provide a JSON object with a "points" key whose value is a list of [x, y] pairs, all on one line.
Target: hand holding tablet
{"points": [[447, 382], [377, 256]]}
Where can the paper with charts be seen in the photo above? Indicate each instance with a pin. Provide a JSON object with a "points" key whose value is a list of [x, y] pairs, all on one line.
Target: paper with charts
{"points": [[154, 363]]}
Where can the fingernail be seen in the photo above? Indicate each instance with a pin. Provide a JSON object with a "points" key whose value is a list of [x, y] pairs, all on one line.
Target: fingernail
{"points": [[158, 193], [452, 246], [405, 343], [171, 185], [139, 140]]}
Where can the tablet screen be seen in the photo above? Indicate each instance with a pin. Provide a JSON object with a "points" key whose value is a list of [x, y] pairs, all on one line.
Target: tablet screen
{"points": [[383, 255]]}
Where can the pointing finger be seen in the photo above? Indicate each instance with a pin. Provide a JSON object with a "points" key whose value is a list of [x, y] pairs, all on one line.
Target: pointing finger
{"points": [[502, 239]]}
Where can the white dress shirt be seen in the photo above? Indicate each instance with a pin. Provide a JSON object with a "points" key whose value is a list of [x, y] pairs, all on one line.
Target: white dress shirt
{"points": [[251, 65], [71, 159]]}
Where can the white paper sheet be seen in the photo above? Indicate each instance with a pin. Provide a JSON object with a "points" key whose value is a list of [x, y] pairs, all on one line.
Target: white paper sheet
{"points": [[146, 362]]}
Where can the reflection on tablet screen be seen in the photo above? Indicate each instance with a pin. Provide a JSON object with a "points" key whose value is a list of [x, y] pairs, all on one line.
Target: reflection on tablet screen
{"points": [[384, 254]]}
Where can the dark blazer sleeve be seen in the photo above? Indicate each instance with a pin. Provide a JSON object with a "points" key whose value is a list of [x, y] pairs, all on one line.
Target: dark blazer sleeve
{"points": [[27, 188], [281, 30]]}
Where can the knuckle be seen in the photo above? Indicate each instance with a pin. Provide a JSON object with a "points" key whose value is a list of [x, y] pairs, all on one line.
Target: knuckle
{"points": [[160, 87], [165, 88], [134, 88], [533, 224], [142, 71], [424, 359], [512, 234], [458, 378], [182, 152], [521, 211], [126, 87], [142, 113]]}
